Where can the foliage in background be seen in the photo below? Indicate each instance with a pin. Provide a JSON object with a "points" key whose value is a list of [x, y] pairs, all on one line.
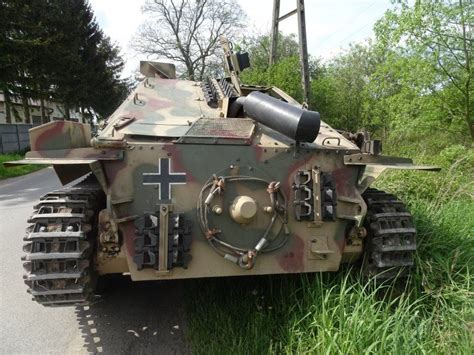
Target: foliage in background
{"points": [[285, 73], [340, 91], [259, 48], [17, 170], [55, 50], [440, 32]]}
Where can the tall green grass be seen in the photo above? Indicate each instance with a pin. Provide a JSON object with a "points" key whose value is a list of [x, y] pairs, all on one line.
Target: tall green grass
{"points": [[431, 313], [343, 313]]}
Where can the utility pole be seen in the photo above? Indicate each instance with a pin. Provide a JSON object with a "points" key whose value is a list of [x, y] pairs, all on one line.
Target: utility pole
{"points": [[275, 20], [303, 47]]}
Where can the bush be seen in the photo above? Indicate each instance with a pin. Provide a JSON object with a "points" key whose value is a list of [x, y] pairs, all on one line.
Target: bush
{"points": [[455, 181]]}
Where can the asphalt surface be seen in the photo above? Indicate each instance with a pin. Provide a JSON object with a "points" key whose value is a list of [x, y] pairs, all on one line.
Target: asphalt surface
{"points": [[129, 318]]}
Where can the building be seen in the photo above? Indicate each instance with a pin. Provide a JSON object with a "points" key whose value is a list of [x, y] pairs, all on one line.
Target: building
{"points": [[54, 112]]}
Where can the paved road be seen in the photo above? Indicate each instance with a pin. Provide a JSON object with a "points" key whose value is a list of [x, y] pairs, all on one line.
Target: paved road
{"points": [[132, 318]]}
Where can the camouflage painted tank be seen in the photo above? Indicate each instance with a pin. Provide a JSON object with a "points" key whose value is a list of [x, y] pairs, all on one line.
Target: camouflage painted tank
{"points": [[202, 179]]}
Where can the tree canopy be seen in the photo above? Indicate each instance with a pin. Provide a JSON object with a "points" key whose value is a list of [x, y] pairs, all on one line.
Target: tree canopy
{"points": [[441, 34], [55, 50]]}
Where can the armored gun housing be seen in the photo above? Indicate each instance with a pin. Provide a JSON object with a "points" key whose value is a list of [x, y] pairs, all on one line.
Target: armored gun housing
{"points": [[204, 179]]}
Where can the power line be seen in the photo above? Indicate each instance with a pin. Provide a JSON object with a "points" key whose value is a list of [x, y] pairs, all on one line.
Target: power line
{"points": [[349, 21], [358, 30]]}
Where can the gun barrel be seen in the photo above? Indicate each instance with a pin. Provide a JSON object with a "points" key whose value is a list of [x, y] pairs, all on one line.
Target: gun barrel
{"points": [[292, 121]]}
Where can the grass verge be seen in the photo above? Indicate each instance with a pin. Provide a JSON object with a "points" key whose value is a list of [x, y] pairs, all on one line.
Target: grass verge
{"points": [[17, 170], [341, 313]]}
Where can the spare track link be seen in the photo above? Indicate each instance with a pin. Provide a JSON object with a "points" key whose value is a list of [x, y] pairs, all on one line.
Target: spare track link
{"points": [[60, 245], [391, 238]]}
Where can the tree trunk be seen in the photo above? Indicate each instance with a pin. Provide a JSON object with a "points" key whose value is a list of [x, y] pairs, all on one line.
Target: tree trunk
{"points": [[468, 117], [467, 56], [82, 115], [190, 70], [26, 108], [6, 96], [67, 113], [43, 111], [203, 69]]}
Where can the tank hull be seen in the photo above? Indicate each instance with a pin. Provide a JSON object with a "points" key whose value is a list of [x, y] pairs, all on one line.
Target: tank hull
{"points": [[198, 163]]}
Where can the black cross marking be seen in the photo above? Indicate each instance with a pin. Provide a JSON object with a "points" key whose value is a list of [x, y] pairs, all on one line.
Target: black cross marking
{"points": [[164, 178]]}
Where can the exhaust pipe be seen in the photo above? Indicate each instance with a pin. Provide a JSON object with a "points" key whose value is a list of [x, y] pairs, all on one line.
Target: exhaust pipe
{"points": [[294, 122]]}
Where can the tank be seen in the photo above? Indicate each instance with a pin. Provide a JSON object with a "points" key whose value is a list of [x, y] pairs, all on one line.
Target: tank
{"points": [[209, 179]]}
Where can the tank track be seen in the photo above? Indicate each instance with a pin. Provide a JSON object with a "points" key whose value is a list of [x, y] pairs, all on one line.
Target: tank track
{"points": [[391, 236], [60, 244]]}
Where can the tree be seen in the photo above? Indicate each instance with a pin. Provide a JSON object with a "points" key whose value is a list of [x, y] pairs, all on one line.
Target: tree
{"points": [[285, 73], [54, 50], [441, 32], [187, 32], [340, 89], [15, 53], [88, 66], [259, 47], [402, 104], [90, 63], [108, 89]]}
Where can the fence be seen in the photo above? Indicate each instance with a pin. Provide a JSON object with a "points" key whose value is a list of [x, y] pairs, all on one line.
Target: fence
{"points": [[14, 137]]}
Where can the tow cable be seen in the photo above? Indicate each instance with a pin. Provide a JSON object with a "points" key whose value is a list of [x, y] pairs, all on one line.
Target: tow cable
{"points": [[244, 258]]}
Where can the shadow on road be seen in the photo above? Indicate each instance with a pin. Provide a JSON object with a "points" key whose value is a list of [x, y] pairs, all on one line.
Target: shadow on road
{"points": [[26, 190], [27, 196], [135, 318]]}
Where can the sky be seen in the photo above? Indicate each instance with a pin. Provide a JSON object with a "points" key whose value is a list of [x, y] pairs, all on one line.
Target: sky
{"points": [[330, 24]]}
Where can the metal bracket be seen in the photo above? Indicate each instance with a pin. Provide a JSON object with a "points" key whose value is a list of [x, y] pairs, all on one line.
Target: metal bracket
{"points": [[351, 208], [147, 84], [372, 147], [109, 143], [163, 240], [137, 101], [318, 218], [123, 121], [328, 139], [364, 159], [319, 248]]}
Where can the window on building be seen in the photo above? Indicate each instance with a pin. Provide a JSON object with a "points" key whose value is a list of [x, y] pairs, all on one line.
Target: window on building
{"points": [[36, 120]]}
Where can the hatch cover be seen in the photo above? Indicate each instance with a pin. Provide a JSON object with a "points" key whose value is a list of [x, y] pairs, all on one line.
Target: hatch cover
{"points": [[220, 131]]}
